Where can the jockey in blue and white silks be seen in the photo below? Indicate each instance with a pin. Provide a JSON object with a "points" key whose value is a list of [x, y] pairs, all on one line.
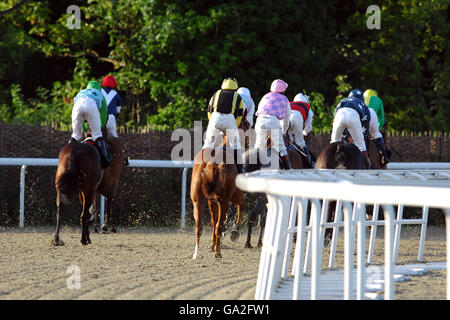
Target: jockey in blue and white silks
{"points": [[114, 103], [352, 114]]}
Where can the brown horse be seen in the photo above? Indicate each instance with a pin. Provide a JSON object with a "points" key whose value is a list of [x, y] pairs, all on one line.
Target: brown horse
{"points": [[78, 173], [343, 155], [109, 184], [213, 181], [260, 209]]}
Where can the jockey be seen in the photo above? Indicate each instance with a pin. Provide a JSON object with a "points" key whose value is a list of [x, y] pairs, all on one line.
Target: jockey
{"points": [[301, 123], [375, 103], [114, 103], [88, 102], [372, 100], [249, 105], [224, 111], [273, 119], [352, 114]]}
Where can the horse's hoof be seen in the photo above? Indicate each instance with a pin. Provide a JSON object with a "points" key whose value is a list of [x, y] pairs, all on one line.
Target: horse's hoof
{"points": [[96, 229], [248, 245], [217, 255], [259, 244], [84, 242], [57, 242], [105, 230], [113, 230], [234, 236], [89, 241]]}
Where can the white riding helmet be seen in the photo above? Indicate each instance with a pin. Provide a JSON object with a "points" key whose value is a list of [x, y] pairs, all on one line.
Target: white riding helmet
{"points": [[243, 91], [301, 98]]}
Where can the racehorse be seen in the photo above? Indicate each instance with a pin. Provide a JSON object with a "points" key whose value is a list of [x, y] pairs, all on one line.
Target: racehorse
{"points": [[260, 209], [345, 155], [78, 173], [109, 184], [213, 181]]}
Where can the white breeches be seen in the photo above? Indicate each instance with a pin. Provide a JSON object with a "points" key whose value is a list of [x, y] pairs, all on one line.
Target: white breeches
{"points": [[348, 118], [297, 128], [220, 122], [373, 125], [269, 125], [111, 126], [86, 109]]}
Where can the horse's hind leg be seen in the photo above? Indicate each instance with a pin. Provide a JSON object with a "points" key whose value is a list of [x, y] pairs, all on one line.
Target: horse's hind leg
{"points": [[95, 213], [223, 208], [257, 210], [262, 223], [56, 240], [213, 209], [85, 216], [198, 213], [109, 214]]}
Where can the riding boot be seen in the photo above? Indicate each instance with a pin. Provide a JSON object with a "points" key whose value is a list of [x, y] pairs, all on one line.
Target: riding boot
{"points": [[366, 160], [73, 140], [382, 147], [286, 162], [240, 167], [309, 160], [104, 154]]}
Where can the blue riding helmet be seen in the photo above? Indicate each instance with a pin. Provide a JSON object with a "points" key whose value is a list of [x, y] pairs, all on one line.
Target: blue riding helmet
{"points": [[356, 93]]}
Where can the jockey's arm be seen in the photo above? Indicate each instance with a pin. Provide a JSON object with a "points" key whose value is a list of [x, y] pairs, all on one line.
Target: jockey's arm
{"points": [[103, 113], [308, 123], [381, 120], [287, 119]]}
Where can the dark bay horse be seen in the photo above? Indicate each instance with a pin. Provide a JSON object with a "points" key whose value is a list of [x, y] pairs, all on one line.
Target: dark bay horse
{"points": [[343, 155], [260, 208], [78, 173], [109, 184]]}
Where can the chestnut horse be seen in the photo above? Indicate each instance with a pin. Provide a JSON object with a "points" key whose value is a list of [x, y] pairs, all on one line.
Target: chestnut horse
{"points": [[213, 181], [78, 173], [109, 184]]}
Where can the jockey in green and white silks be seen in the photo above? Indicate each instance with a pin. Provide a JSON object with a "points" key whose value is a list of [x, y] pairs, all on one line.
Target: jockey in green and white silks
{"points": [[373, 101], [88, 105]]}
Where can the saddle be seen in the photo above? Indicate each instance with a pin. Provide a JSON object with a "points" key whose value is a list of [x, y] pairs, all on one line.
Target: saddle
{"points": [[91, 141]]}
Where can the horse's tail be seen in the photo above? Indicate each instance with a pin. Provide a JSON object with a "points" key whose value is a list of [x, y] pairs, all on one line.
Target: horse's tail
{"points": [[212, 178], [68, 183]]}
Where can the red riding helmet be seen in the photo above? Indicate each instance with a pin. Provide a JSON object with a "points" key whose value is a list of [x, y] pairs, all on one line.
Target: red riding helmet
{"points": [[109, 81]]}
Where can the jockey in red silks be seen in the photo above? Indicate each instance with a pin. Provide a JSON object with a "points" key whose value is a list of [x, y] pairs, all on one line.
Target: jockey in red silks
{"points": [[301, 124]]}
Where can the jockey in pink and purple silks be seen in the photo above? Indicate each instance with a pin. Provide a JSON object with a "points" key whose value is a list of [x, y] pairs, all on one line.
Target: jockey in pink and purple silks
{"points": [[273, 119]]}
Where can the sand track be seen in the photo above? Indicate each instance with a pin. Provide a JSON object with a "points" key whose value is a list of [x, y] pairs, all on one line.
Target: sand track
{"points": [[157, 264]]}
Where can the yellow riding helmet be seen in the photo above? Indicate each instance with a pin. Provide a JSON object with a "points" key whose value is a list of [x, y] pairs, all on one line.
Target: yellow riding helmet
{"points": [[229, 84], [368, 94]]}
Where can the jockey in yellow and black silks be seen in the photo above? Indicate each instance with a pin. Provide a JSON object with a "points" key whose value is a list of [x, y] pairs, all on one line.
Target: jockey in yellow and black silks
{"points": [[225, 114]]}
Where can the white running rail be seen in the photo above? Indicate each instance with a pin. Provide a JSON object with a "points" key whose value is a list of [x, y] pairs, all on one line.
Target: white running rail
{"points": [[288, 193], [24, 162]]}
